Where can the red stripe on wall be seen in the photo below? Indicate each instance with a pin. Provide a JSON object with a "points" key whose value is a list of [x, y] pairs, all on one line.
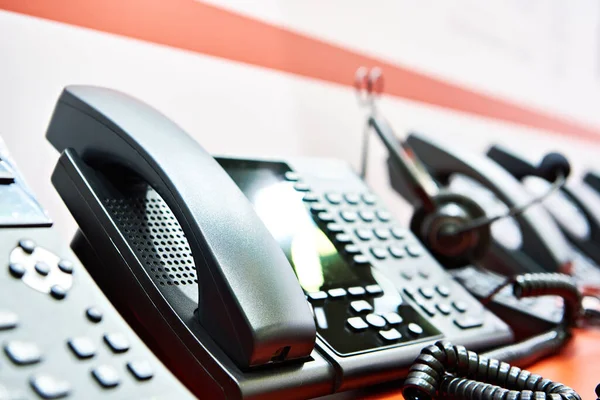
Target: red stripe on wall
{"points": [[205, 29]]}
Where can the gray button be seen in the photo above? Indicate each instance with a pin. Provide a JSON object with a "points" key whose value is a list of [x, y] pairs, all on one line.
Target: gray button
{"points": [[428, 308], [42, 268], [468, 322], [356, 291], [352, 249], [106, 376], [360, 259], [48, 387], [141, 370], [335, 228], [444, 291], [426, 292], [398, 233], [369, 199], [325, 216], [375, 320], [415, 329], [343, 238], [82, 347], [357, 323], [443, 308], [366, 215], [22, 353], [392, 318], [383, 216], [359, 306], [352, 198], [333, 198], [414, 250], [382, 233], [348, 216], [320, 295], [8, 320], [379, 253], [117, 342], [310, 198], [27, 245], [390, 334], [301, 187], [65, 266], [16, 270], [397, 252], [335, 293], [373, 289], [460, 306], [291, 176], [317, 208], [364, 234]]}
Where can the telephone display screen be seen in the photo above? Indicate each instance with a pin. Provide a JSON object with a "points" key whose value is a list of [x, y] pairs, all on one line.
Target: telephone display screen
{"points": [[316, 262]]}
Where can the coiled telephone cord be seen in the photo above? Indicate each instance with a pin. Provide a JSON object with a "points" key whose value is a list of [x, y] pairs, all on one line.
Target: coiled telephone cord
{"points": [[443, 370]]}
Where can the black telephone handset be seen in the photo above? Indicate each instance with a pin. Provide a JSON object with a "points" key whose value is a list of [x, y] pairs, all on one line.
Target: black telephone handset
{"points": [[576, 208], [249, 299], [541, 246]]}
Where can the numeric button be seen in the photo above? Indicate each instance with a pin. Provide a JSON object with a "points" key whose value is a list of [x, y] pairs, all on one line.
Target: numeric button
{"points": [[366, 215], [379, 253], [291, 176], [106, 376], [48, 387], [414, 250], [317, 208], [301, 187], [443, 308], [444, 291], [364, 234], [8, 320], [82, 347], [426, 292], [360, 306], [357, 323], [333, 198], [392, 318], [356, 291], [343, 238], [398, 233], [348, 216], [369, 199], [117, 342], [397, 252], [382, 233], [325, 216], [360, 259], [310, 198], [22, 353], [383, 216], [335, 228], [141, 370], [352, 198], [352, 249]]}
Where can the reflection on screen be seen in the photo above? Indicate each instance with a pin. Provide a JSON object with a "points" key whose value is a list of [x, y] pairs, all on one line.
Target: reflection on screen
{"points": [[315, 260]]}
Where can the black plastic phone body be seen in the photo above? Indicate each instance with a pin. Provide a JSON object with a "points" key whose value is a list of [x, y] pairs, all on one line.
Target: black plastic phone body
{"points": [[583, 231], [60, 337], [126, 225]]}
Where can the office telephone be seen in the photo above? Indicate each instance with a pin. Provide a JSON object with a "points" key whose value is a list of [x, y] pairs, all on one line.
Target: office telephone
{"points": [[575, 208], [59, 335], [526, 243], [250, 277]]}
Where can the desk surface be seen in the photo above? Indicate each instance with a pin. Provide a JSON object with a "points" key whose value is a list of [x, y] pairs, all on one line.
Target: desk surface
{"points": [[577, 366]]}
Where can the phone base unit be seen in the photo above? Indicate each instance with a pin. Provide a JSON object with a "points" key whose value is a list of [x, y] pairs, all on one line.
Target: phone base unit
{"points": [[60, 337], [376, 294]]}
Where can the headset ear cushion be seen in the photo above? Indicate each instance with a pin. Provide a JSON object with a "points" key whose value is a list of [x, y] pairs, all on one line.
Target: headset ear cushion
{"points": [[425, 225]]}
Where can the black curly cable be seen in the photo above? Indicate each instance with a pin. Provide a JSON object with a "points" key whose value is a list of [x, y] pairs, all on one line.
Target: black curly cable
{"points": [[455, 372], [445, 370]]}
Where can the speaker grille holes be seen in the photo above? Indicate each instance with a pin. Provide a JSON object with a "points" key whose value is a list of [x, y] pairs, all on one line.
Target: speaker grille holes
{"points": [[156, 237]]}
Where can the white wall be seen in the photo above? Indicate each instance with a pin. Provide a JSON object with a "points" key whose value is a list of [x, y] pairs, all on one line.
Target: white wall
{"points": [[240, 109]]}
